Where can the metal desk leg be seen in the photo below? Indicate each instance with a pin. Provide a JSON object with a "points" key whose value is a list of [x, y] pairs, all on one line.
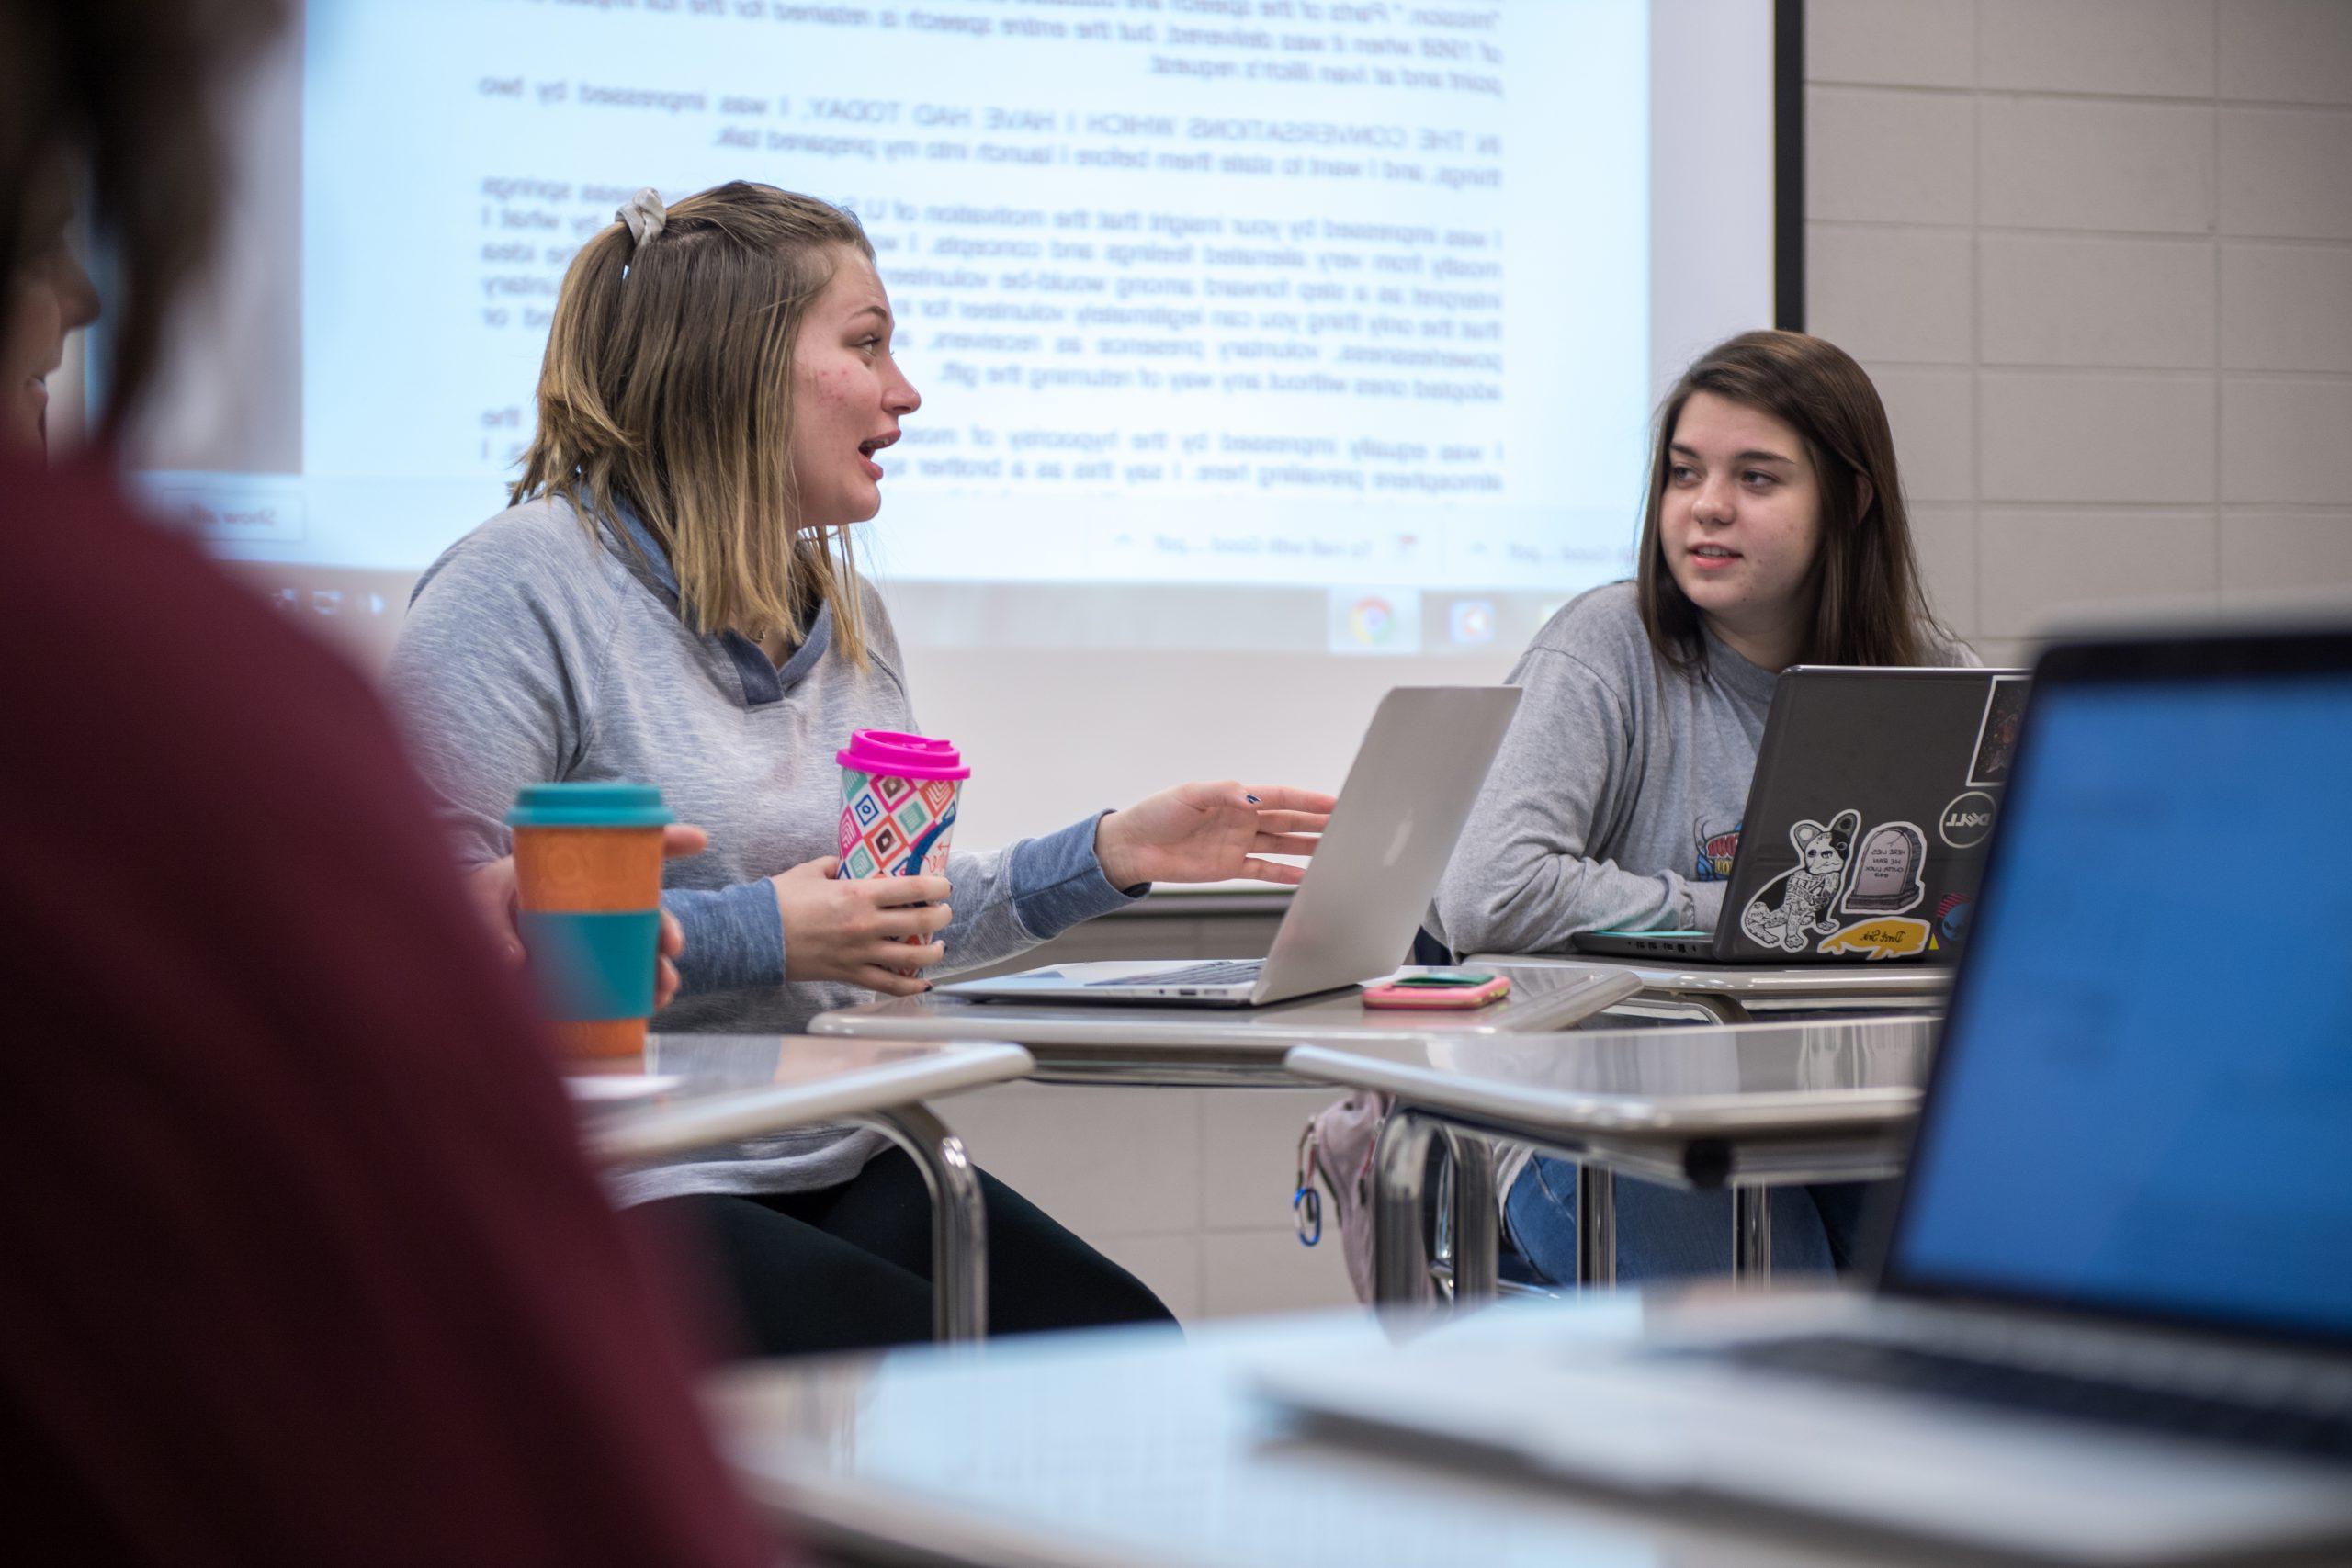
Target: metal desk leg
{"points": [[1596, 1226], [1477, 1223], [1437, 1215], [1399, 1170], [959, 1223], [1751, 1240]]}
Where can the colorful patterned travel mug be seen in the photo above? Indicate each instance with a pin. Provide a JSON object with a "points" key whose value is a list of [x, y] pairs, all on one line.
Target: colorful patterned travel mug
{"points": [[588, 874], [899, 794]]}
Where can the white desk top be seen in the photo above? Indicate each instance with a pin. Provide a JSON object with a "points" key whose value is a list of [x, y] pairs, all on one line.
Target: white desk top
{"points": [[707, 1090], [1155, 1043], [1544, 998], [1136, 1446], [1749, 1080], [1809, 981]]}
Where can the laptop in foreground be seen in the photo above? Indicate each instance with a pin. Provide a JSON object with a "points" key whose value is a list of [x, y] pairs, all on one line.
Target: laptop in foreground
{"points": [[1874, 796], [2114, 1319], [1414, 780]]}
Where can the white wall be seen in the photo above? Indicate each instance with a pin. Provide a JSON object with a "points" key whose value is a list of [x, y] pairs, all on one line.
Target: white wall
{"points": [[2098, 255]]}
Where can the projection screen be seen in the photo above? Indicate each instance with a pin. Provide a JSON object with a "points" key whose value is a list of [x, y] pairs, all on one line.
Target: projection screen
{"points": [[1272, 352]]}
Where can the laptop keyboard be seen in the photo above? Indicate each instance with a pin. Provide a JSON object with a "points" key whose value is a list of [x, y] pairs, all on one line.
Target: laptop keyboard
{"points": [[1225, 972], [2313, 1434]]}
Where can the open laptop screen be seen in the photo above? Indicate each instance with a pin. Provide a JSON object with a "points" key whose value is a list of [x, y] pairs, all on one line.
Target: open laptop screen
{"points": [[2145, 1100]]}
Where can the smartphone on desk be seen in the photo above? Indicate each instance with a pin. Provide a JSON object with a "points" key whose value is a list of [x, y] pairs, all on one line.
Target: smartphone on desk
{"points": [[1439, 989]]}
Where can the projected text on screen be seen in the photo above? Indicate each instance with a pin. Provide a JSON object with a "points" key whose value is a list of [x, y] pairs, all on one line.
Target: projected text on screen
{"points": [[1291, 293]]}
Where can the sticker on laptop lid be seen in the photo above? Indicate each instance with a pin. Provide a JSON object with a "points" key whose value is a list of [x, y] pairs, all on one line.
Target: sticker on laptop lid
{"points": [[1996, 733], [1794, 907], [1890, 936], [1889, 870]]}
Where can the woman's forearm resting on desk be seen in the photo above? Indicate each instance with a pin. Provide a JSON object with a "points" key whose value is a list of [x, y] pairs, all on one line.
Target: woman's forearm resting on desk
{"points": [[1537, 900]]}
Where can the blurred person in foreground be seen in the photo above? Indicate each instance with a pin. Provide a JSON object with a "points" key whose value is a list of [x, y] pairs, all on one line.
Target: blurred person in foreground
{"points": [[302, 1260]]}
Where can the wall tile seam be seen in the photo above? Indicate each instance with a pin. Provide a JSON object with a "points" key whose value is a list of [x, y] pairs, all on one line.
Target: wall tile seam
{"points": [[2242, 374], [2264, 105], [1975, 464], [1282, 1227], [2088, 97], [1912, 89], [2221, 434], [1899, 363], [2046, 370], [1099, 1233], [1891, 226], [2038, 231], [2111, 368], [1107, 1233], [2284, 103], [2285, 242], [2108, 509], [2259, 105], [2084, 95]]}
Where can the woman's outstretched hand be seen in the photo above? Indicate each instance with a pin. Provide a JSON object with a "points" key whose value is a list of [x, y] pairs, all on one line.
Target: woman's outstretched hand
{"points": [[1210, 832]]}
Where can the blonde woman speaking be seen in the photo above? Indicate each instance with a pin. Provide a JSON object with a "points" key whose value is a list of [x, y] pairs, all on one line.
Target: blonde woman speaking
{"points": [[671, 598]]}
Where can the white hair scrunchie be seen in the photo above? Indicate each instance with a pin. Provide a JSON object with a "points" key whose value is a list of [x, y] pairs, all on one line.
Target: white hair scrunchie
{"points": [[644, 214]]}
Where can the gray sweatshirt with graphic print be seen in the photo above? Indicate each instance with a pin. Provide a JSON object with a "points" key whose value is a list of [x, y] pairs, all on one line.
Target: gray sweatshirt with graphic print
{"points": [[535, 649], [1615, 803]]}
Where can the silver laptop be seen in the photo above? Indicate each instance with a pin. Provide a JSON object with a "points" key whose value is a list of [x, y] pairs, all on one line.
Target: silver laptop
{"points": [[2114, 1319], [1415, 778]]}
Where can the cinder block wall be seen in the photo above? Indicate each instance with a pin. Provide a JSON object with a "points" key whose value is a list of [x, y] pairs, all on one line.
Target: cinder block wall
{"points": [[2098, 255]]}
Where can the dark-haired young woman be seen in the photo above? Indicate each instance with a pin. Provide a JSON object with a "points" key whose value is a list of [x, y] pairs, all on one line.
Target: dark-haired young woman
{"points": [[1774, 534]]}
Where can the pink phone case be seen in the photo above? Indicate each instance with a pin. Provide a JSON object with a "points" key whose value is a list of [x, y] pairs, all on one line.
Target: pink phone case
{"points": [[1452, 998]]}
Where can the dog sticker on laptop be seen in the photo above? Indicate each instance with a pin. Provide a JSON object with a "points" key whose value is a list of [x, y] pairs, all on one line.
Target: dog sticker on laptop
{"points": [[1795, 907]]}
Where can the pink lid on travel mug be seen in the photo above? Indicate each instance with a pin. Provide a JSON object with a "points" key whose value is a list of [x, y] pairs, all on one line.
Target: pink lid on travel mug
{"points": [[899, 794], [899, 755]]}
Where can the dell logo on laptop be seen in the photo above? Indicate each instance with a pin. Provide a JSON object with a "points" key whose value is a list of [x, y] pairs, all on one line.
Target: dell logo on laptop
{"points": [[1967, 820]]}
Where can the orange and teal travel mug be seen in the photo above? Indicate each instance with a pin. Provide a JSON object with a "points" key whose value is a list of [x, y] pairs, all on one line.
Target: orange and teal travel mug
{"points": [[588, 876]]}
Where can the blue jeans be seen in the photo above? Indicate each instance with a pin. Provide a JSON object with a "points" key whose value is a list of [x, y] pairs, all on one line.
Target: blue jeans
{"points": [[1664, 1232]]}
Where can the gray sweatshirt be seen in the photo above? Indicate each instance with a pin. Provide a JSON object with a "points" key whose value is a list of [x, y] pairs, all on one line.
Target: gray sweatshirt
{"points": [[1615, 803], [537, 651]]}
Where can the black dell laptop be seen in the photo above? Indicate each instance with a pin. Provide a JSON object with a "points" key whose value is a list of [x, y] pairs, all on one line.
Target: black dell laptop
{"points": [[1874, 793]]}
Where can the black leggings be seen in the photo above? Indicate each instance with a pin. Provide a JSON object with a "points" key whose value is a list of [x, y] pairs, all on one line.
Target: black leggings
{"points": [[848, 1267]]}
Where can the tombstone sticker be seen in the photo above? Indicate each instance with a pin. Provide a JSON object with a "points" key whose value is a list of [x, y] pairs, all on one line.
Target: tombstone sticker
{"points": [[1885, 879]]}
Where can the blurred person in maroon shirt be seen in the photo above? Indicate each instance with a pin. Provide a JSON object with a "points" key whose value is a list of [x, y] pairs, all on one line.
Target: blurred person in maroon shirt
{"points": [[300, 1259]]}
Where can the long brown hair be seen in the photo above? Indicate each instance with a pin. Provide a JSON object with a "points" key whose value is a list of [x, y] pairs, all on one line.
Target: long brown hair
{"points": [[1870, 608], [126, 95], [668, 388]]}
